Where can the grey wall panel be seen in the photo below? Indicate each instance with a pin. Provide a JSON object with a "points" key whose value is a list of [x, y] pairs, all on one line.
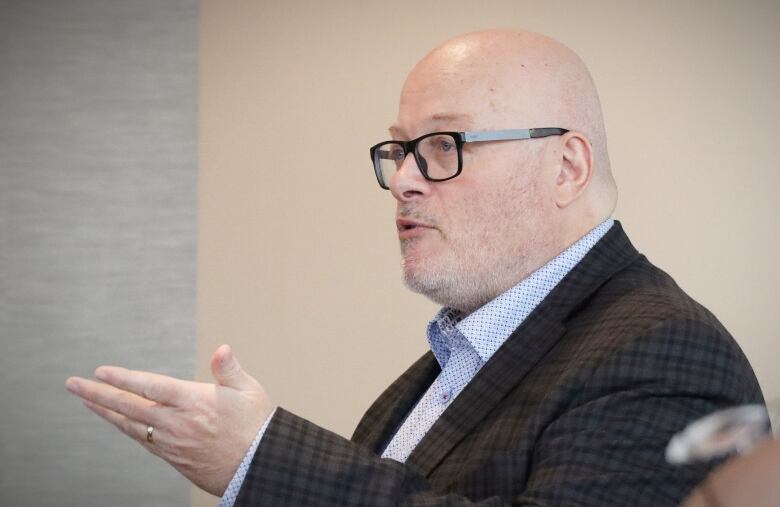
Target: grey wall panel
{"points": [[98, 168]]}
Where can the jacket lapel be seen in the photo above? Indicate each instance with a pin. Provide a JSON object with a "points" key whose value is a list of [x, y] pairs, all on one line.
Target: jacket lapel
{"points": [[525, 347], [383, 418]]}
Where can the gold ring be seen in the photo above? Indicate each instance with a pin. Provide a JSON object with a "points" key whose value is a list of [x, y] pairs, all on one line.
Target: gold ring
{"points": [[150, 434]]}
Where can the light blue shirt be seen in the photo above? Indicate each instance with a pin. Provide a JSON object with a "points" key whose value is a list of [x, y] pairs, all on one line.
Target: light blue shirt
{"points": [[461, 347]]}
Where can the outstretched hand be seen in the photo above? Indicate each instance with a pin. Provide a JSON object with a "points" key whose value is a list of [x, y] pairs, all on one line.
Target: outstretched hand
{"points": [[203, 430]]}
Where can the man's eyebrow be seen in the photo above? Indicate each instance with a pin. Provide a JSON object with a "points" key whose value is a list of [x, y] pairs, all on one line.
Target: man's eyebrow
{"points": [[396, 131], [450, 117]]}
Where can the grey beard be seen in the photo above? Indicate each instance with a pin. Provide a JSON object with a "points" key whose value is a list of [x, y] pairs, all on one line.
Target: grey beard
{"points": [[458, 288]]}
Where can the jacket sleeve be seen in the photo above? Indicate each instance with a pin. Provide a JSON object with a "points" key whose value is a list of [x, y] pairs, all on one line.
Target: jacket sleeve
{"points": [[301, 464], [607, 447]]}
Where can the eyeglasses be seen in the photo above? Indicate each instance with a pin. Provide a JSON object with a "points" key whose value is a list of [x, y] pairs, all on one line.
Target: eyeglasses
{"points": [[439, 155], [735, 430]]}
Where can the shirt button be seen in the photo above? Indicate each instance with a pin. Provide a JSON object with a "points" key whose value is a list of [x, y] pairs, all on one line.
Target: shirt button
{"points": [[445, 396]]}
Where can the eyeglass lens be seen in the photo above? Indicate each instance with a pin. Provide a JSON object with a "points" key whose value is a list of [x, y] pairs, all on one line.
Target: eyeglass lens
{"points": [[437, 156]]}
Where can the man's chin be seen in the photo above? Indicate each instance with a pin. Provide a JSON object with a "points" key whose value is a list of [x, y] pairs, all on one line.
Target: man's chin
{"points": [[433, 276], [423, 287], [418, 276], [445, 286], [426, 282]]}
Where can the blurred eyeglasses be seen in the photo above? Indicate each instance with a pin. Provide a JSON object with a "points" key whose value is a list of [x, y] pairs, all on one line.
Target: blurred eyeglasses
{"points": [[731, 431]]}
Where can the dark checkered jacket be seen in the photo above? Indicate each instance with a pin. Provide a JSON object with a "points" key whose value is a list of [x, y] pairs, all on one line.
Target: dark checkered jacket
{"points": [[575, 409]]}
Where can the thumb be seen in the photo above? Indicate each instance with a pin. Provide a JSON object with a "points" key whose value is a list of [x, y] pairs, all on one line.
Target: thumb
{"points": [[227, 372]]}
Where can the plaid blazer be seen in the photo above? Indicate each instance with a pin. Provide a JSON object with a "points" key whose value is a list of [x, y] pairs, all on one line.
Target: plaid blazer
{"points": [[575, 409]]}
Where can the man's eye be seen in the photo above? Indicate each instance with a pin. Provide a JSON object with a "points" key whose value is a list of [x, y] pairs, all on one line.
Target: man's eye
{"points": [[445, 144]]}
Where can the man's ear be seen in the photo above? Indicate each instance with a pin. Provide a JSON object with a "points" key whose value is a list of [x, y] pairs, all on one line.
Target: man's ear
{"points": [[576, 168]]}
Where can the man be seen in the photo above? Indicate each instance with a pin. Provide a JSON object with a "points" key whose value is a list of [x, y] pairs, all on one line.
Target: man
{"points": [[561, 363]]}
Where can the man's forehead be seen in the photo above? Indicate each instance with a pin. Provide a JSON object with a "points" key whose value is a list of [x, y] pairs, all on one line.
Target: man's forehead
{"points": [[461, 103], [450, 120]]}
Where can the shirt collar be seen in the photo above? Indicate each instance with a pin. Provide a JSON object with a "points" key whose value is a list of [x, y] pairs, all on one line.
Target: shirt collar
{"points": [[488, 327]]}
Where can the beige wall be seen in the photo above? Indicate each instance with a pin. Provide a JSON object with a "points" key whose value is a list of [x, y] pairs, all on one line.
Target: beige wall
{"points": [[298, 263]]}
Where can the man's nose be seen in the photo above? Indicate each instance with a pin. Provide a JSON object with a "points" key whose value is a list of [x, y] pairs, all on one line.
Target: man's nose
{"points": [[408, 183]]}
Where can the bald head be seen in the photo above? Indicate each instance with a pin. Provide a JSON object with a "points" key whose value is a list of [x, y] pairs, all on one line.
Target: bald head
{"points": [[514, 79], [516, 204]]}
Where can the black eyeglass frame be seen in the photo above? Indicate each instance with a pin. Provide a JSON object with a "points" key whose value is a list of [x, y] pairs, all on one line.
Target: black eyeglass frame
{"points": [[460, 139]]}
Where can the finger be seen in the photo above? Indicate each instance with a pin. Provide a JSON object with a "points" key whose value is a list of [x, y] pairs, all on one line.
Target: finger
{"points": [[152, 386], [123, 402], [228, 372], [133, 429]]}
